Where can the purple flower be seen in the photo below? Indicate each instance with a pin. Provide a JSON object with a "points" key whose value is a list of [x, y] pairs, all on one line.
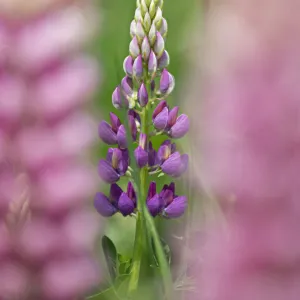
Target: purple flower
{"points": [[170, 160], [152, 64], [115, 165], [143, 95], [127, 201], [140, 153], [164, 60], [167, 121], [174, 206], [167, 83], [108, 206], [138, 67], [127, 66], [127, 87], [118, 99], [151, 156], [154, 202]]}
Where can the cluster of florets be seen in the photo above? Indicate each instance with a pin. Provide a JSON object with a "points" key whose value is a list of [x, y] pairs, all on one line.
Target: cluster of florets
{"points": [[146, 84]]}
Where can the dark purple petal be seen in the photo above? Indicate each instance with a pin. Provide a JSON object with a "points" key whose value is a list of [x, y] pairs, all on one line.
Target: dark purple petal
{"points": [[106, 172], [173, 148], [138, 67], [106, 133], [115, 193], [125, 205], [180, 128], [123, 163], [172, 164], [127, 65], [167, 194], [151, 156], [166, 143], [164, 60], [155, 205], [176, 208], [121, 137], [151, 190], [173, 116], [164, 81], [163, 153], [141, 157], [160, 121], [127, 86], [143, 95], [115, 122], [171, 186], [161, 105], [104, 206], [109, 155], [132, 126], [131, 192]]}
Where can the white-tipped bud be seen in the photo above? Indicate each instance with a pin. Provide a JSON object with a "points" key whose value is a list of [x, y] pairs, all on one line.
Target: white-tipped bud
{"points": [[133, 28], [145, 49], [158, 18], [144, 8], [159, 45], [134, 48], [152, 9], [138, 15], [164, 28], [152, 34], [140, 33], [147, 22]]}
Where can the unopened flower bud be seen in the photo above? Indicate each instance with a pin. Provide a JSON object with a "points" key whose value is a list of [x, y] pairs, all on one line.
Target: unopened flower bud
{"points": [[152, 10], [141, 157], [147, 22], [118, 100], [140, 33], [133, 28], [164, 28], [138, 67], [127, 65], [159, 45], [138, 15], [145, 49], [167, 83], [134, 48], [158, 18], [152, 64], [144, 8], [127, 87], [148, 2], [164, 60], [152, 34], [143, 95]]}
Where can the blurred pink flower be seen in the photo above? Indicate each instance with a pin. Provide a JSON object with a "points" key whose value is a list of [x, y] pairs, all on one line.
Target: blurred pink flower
{"points": [[251, 150], [47, 231]]}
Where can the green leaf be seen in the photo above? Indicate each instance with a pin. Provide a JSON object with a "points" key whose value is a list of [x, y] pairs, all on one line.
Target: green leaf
{"points": [[110, 253]]}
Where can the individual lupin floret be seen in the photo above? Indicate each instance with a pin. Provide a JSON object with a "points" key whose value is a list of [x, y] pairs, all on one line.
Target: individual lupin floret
{"points": [[127, 201], [167, 83], [143, 95], [138, 68], [128, 65], [154, 202], [134, 48], [140, 153], [152, 65], [164, 60], [118, 99]]}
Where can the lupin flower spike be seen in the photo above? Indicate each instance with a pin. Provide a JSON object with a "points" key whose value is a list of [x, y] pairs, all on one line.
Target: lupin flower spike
{"points": [[146, 64]]}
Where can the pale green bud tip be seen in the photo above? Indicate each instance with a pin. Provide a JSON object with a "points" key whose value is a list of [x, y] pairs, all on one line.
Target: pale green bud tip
{"points": [[140, 33]]}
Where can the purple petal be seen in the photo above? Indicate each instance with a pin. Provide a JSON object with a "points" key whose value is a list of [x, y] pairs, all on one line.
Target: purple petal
{"points": [[155, 205], [164, 81], [164, 27], [115, 122], [116, 157], [106, 133], [173, 116], [125, 205], [145, 48], [176, 208], [138, 67], [159, 45], [134, 48], [166, 143], [127, 65], [106, 172], [143, 95], [181, 127], [161, 120], [141, 157], [164, 60], [152, 63], [183, 165], [109, 155], [115, 193], [118, 100], [131, 192], [143, 140], [104, 206], [163, 153], [161, 105], [123, 163], [151, 190], [151, 156], [121, 137], [127, 86], [132, 126], [172, 164]]}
